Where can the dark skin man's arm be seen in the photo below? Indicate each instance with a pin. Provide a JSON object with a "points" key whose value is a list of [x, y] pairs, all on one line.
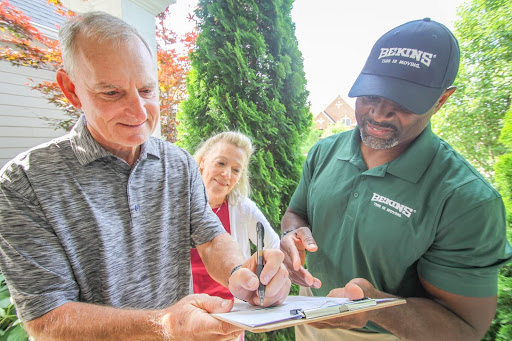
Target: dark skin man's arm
{"points": [[443, 316], [294, 246]]}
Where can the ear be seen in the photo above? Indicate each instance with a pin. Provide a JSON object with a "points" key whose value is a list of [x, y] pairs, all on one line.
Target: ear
{"points": [[68, 88], [446, 94], [201, 164]]}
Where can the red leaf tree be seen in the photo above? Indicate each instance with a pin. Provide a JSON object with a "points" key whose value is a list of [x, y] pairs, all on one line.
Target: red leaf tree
{"points": [[173, 67]]}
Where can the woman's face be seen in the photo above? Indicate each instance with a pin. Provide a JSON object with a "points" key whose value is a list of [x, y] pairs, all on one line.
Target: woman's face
{"points": [[221, 169]]}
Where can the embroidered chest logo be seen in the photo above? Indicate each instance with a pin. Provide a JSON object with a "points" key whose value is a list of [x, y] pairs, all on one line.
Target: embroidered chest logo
{"points": [[391, 206]]}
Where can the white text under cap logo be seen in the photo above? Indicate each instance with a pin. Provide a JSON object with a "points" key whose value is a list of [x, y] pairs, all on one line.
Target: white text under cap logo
{"points": [[419, 56]]}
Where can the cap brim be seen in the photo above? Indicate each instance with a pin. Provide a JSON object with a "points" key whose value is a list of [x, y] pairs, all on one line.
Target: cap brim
{"points": [[414, 97]]}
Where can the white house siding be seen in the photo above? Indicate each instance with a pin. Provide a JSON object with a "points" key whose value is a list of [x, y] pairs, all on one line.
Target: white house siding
{"points": [[21, 110]]}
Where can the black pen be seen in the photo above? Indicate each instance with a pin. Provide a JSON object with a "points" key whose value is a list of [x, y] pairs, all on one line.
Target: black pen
{"points": [[261, 234]]}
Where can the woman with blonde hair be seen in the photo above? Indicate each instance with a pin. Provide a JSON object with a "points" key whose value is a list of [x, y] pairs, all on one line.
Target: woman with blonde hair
{"points": [[223, 162]]}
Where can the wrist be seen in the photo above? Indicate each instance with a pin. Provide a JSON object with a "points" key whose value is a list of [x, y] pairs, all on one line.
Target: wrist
{"points": [[291, 230], [162, 325], [235, 269]]}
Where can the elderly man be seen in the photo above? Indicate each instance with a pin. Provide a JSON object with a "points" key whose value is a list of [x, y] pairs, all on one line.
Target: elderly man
{"points": [[389, 209], [96, 226]]}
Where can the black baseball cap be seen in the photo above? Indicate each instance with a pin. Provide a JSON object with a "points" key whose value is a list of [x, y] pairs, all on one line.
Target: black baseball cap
{"points": [[411, 65]]}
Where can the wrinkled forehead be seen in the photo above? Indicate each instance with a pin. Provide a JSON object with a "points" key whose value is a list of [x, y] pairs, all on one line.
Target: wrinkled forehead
{"points": [[97, 75], [88, 42], [108, 56]]}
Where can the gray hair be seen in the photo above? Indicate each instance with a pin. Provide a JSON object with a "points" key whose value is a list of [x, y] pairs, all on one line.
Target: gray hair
{"points": [[98, 25], [243, 188]]}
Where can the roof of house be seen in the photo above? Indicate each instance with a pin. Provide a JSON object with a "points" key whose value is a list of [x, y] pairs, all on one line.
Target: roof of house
{"points": [[339, 109], [324, 114], [40, 12]]}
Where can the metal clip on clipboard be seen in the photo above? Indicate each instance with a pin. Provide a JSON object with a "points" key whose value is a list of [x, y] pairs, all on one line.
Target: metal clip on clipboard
{"points": [[334, 309]]}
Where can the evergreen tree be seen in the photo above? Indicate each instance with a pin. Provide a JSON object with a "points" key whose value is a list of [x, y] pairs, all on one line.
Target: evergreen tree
{"points": [[247, 75], [473, 117], [501, 327]]}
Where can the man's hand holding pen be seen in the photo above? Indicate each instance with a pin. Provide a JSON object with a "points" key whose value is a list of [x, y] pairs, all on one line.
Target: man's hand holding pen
{"points": [[244, 282]]}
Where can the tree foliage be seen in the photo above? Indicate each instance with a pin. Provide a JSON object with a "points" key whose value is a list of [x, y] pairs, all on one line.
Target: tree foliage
{"points": [[25, 45], [503, 167], [247, 75], [10, 326], [474, 115], [317, 134], [173, 67], [501, 328]]}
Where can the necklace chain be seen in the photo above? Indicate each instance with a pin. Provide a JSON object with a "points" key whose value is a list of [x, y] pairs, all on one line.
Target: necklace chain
{"points": [[218, 208]]}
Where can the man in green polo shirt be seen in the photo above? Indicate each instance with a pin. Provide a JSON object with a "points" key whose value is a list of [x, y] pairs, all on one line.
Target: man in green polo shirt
{"points": [[401, 214]]}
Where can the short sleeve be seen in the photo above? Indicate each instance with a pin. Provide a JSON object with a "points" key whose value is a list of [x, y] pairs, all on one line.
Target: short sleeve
{"points": [[37, 283], [470, 245]]}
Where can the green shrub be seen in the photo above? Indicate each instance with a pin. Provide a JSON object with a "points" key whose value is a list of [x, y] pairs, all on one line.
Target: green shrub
{"points": [[11, 328], [501, 327]]}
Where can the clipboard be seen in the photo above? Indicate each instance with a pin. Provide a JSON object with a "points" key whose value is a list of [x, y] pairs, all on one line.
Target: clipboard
{"points": [[254, 319]]}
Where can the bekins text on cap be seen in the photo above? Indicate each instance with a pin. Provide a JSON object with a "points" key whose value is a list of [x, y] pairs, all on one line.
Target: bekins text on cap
{"points": [[411, 65]]}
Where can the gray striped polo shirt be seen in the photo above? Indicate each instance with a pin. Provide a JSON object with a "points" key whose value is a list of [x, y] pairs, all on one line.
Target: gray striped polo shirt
{"points": [[79, 224]]}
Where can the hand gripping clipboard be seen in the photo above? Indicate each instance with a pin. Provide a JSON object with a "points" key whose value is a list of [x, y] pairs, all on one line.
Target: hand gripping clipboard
{"points": [[290, 313]]}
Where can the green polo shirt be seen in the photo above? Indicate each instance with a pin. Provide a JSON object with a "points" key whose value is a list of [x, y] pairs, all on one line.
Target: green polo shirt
{"points": [[428, 213]]}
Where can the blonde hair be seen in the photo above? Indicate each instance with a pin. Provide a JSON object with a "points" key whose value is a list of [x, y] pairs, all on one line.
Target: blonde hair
{"points": [[243, 188]]}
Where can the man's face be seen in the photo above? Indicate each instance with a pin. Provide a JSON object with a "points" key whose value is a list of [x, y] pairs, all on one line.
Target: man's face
{"points": [[385, 124], [117, 90]]}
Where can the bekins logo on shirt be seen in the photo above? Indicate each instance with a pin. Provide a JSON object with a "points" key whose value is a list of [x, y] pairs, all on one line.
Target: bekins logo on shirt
{"points": [[391, 206], [422, 57]]}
